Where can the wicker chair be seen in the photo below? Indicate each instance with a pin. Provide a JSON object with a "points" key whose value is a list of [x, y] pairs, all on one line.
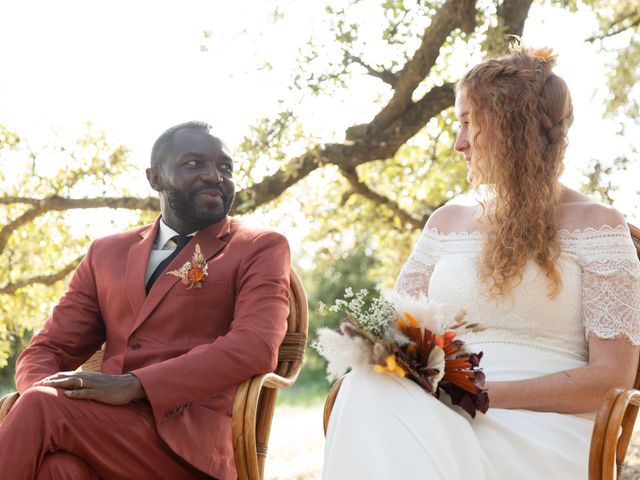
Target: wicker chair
{"points": [[255, 398], [612, 429]]}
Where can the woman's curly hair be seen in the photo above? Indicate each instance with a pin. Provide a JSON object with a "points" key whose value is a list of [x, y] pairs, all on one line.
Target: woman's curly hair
{"points": [[520, 113]]}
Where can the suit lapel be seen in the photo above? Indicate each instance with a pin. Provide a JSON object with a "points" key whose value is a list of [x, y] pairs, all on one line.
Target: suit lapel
{"points": [[137, 261], [211, 241]]}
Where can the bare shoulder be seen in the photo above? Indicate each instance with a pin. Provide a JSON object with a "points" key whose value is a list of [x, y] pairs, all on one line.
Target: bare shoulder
{"points": [[578, 211], [454, 218]]}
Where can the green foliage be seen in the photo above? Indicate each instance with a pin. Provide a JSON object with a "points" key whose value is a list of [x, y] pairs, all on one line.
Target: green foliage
{"points": [[599, 180], [619, 35], [623, 81], [324, 283]]}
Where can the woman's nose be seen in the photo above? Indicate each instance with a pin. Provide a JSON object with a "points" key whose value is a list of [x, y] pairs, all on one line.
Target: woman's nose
{"points": [[461, 144]]}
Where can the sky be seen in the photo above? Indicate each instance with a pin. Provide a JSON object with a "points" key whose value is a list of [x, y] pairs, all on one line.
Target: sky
{"points": [[134, 68]]}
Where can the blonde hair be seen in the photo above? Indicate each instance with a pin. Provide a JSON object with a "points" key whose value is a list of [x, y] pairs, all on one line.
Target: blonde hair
{"points": [[520, 114]]}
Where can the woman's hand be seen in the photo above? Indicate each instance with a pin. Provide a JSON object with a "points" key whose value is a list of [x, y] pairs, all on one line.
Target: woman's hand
{"points": [[612, 364]]}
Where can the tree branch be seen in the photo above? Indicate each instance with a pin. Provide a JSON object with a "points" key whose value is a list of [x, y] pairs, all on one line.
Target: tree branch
{"points": [[9, 228], [359, 187], [513, 14], [47, 204], [11, 288], [385, 75], [350, 153], [63, 203], [453, 14], [615, 27]]}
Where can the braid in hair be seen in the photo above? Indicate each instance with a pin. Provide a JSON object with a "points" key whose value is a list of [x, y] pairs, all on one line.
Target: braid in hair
{"points": [[520, 114]]}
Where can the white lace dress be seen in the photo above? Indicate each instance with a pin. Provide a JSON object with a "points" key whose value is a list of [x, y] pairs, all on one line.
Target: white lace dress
{"points": [[386, 427]]}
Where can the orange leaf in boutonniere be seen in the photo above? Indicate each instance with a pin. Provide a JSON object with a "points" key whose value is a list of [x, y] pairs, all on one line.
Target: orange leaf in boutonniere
{"points": [[192, 273]]}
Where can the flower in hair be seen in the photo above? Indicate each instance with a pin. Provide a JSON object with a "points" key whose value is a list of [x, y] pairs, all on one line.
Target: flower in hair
{"points": [[544, 53], [192, 273]]}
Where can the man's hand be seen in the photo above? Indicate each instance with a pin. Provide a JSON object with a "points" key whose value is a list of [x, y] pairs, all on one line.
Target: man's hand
{"points": [[111, 389]]}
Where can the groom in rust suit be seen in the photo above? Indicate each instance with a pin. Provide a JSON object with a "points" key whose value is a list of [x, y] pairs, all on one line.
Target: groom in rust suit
{"points": [[175, 350]]}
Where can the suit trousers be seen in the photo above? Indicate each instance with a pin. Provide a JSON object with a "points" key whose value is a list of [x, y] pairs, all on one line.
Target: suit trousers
{"points": [[50, 436]]}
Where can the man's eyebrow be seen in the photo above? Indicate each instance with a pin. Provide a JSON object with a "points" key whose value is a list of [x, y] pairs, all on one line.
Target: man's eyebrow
{"points": [[191, 154], [224, 156]]}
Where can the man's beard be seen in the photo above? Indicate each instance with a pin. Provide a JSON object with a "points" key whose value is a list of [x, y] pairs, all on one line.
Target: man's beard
{"points": [[183, 206]]}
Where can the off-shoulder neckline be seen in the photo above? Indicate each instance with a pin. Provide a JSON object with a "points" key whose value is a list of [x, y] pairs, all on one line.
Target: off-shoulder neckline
{"points": [[563, 232]]}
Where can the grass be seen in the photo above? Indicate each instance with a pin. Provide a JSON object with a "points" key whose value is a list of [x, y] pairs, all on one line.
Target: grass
{"points": [[7, 386], [303, 395]]}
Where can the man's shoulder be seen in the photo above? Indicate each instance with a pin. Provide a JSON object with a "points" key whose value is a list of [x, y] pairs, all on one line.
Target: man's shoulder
{"points": [[128, 236], [242, 231]]}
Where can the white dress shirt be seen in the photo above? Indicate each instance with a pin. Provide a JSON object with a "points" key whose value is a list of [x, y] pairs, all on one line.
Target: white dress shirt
{"points": [[162, 247]]}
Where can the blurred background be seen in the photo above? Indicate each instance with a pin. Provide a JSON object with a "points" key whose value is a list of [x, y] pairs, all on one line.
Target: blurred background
{"points": [[339, 113]]}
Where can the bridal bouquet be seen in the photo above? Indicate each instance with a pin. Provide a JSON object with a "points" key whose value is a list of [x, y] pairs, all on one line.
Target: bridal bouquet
{"points": [[409, 338]]}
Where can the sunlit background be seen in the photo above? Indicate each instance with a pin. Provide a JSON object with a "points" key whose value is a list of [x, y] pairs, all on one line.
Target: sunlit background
{"points": [[136, 68], [133, 68]]}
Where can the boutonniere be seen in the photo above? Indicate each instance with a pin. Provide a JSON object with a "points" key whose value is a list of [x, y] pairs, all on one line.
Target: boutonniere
{"points": [[192, 273]]}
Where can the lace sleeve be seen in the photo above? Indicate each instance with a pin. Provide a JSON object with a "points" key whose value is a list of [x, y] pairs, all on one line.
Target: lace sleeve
{"points": [[611, 284], [414, 277]]}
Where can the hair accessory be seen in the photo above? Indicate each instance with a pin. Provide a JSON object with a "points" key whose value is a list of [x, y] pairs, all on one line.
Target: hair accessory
{"points": [[544, 53]]}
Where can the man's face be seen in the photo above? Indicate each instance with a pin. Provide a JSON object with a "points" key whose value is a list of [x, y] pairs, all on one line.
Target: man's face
{"points": [[196, 181]]}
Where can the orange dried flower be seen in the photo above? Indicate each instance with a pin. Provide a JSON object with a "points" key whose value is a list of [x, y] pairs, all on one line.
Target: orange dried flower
{"points": [[192, 273]]}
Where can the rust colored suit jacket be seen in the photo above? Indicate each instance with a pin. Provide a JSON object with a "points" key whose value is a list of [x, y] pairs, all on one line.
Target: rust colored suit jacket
{"points": [[189, 348]]}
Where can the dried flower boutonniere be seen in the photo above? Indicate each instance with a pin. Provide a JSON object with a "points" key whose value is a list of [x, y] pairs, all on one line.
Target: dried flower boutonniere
{"points": [[192, 273]]}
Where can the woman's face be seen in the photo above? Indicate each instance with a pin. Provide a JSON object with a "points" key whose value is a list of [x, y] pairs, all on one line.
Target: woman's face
{"points": [[463, 142]]}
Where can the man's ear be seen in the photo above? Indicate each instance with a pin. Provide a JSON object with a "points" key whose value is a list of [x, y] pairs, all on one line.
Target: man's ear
{"points": [[155, 178]]}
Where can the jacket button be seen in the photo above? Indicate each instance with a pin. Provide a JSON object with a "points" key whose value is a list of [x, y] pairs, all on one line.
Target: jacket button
{"points": [[135, 346]]}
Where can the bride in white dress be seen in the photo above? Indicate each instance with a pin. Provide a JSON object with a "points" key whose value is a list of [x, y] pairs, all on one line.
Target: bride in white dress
{"points": [[552, 275]]}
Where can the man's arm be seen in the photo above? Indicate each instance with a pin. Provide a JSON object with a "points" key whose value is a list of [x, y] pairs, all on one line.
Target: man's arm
{"points": [[71, 334]]}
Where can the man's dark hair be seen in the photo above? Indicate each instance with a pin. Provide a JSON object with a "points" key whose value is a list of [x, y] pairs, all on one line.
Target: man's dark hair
{"points": [[165, 141]]}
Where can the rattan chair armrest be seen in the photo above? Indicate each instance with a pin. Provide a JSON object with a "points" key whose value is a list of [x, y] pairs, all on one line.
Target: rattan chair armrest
{"points": [[6, 403], [612, 432], [273, 380], [328, 404]]}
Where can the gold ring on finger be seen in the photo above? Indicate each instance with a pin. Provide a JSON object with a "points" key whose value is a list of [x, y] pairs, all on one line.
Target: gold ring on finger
{"points": [[81, 383]]}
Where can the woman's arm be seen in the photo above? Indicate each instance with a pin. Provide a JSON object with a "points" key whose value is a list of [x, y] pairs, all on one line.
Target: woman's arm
{"points": [[612, 363]]}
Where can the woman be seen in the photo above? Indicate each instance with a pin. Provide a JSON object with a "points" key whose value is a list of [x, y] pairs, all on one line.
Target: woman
{"points": [[551, 274]]}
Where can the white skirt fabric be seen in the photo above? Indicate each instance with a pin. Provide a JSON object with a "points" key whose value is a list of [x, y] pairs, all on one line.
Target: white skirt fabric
{"points": [[386, 427]]}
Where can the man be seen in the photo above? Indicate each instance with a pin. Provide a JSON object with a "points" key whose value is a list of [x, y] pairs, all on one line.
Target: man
{"points": [[161, 406]]}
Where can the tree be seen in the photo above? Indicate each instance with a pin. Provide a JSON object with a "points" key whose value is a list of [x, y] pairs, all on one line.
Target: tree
{"points": [[376, 186]]}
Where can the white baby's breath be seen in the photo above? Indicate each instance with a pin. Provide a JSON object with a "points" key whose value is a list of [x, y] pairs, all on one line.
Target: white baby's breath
{"points": [[322, 308], [375, 319]]}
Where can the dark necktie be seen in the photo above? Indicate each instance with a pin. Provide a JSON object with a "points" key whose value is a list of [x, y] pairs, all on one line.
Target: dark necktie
{"points": [[180, 241]]}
